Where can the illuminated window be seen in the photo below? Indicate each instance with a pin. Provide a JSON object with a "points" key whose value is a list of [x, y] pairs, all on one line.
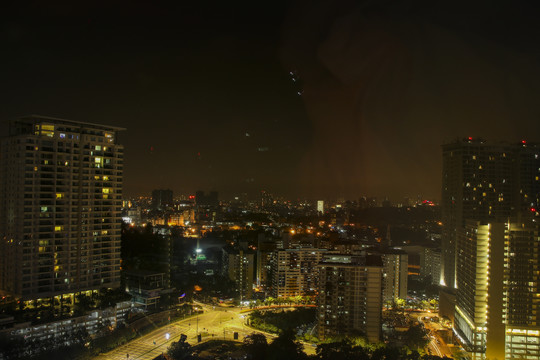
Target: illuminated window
{"points": [[59, 195], [58, 228], [106, 190], [47, 130], [98, 147], [105, 178]]}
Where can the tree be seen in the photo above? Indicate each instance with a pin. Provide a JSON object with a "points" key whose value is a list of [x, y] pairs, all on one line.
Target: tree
{"points": [[256, 346], [269, 300], [285, 346], [388, 352], [180, 351], [415, 337], [341, 350]]}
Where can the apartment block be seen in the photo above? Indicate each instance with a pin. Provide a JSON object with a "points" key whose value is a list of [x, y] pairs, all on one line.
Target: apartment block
{"points": [[60, 207]]}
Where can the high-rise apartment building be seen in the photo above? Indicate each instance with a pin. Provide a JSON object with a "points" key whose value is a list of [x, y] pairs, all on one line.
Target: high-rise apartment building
{"points": [[265, 250], [498, 293], [295, 271], [60, 207], [238, 265], [485, 182], [395, 273], [350, 296], [432, 265]]}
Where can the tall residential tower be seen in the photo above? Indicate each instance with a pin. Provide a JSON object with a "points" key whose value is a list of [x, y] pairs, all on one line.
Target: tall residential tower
{"points": [[484, 182], [350, 296], [60, 207]]}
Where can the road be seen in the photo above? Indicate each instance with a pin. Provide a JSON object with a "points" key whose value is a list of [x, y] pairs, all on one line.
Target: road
{"points": [[436, 345], [214, 323]]}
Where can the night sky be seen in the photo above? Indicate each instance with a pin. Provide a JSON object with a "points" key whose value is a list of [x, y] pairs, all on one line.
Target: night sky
{"points": [[316, 99]]}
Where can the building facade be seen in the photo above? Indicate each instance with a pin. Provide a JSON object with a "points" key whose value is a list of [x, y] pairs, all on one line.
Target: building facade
{"points": [[498, 291], [162, 199], [60, 207], [395, 274], [432, 265], [295, 272], [485, 182], [239, 266], [350, 296]]}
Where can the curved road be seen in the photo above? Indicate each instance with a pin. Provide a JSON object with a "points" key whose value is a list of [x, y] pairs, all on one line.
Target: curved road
{"points": [[214, 323]]}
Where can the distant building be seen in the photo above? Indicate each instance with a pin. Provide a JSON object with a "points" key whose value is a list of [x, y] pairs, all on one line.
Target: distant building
{"points": [[320, 206], [60, 207], [265, 251], [145, 287], [133, 216], [162, 199], [350, 296], [367, 202], [295, 272], [203, 199], [416, 259], [239, 266], [395, 273], [432, 265], [267, 200]]}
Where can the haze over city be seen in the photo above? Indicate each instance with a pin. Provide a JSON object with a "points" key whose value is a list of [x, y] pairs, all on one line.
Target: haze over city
{"points": [[336, 99]]}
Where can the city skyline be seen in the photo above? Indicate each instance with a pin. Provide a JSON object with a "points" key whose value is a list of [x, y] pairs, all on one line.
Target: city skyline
{"points": [[336, 100]]}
